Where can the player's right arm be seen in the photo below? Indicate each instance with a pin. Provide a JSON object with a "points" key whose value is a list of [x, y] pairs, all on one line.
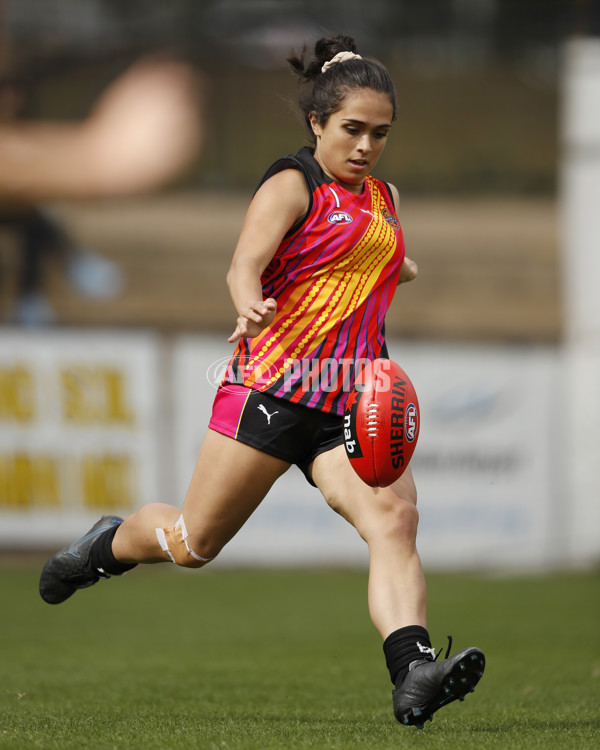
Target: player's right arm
{"points": [[279, 203]]}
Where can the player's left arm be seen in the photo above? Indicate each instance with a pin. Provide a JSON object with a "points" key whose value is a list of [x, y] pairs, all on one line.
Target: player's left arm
{"points": [[409, 269]]}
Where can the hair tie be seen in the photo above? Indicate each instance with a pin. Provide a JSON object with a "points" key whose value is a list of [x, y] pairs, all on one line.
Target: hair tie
{"points": [[340, 57]]}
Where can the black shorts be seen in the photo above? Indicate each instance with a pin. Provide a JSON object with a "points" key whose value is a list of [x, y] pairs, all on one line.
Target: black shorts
{"points": [[291, 432]]}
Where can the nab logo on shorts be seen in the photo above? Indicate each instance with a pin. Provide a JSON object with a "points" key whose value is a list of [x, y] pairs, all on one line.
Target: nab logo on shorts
{"points": [[339, 217]]}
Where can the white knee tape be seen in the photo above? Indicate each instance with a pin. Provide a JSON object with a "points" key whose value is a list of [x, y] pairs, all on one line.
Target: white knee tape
{"points": [[174, 542], [162, 540]]}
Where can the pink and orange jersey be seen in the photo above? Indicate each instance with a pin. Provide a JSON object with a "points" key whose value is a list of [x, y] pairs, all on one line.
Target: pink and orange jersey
{"points": [[334, 277]]}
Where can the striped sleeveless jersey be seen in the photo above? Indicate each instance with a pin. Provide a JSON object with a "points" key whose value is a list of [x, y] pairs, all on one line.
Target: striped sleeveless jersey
{"points": [[333, 277]]}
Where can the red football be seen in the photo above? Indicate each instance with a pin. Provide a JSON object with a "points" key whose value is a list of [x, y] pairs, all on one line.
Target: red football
{"points": [[381, 423]]}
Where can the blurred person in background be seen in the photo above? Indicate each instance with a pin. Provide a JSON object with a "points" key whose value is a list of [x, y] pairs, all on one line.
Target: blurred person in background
{"points": [[315, 269], [141, 133]]}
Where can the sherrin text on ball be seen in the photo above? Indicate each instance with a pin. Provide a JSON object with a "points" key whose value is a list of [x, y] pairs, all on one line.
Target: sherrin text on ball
{"points": [[381, 423]]}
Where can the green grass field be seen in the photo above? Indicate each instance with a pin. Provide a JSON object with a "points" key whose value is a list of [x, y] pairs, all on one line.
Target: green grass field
{"points": [[164, 658]]}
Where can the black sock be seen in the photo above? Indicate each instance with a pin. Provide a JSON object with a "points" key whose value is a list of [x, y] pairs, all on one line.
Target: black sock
{"points": [[404, 646], [102, 558]]}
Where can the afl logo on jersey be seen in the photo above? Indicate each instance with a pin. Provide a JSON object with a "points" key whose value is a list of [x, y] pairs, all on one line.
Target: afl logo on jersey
{"points": [[339, 217]]}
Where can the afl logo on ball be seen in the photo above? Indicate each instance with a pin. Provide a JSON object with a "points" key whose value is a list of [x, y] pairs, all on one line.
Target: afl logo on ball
{"points": [[411, 422], [339, 217]]}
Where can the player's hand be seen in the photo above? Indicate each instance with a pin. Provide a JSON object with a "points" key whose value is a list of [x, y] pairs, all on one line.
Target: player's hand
{"points": [[409, 271], [257, 316]]}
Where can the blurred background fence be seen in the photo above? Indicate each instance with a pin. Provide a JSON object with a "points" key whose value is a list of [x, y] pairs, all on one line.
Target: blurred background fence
{"points": [[476, 154]]}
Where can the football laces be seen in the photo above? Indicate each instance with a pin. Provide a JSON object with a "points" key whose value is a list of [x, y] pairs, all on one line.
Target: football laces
{"points": [[372, 421]]}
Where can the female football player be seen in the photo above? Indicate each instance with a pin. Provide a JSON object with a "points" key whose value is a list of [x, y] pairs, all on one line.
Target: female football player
{"points": [[317, 263]]}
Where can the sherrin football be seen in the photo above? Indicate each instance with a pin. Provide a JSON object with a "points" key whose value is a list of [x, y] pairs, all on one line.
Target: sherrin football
{"points": [[381, 423]]}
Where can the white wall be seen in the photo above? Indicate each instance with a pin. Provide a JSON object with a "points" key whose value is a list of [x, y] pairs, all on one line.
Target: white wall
{"points": [[92, 422], [485, 465]]}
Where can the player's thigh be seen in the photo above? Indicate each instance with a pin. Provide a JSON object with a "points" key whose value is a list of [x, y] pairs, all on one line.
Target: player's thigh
{"points": [[229, 481], [363, 506]]}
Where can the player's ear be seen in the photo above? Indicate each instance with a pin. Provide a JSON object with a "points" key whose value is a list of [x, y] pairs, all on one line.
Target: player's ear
{"points": [[314, 124]]}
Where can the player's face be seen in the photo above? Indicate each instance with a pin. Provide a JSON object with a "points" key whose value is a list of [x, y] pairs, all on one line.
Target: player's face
{"points": [[351, 141]]}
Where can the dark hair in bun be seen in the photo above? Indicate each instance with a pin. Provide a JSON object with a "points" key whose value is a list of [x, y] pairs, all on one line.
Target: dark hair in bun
{"points": [[329, 88]]}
